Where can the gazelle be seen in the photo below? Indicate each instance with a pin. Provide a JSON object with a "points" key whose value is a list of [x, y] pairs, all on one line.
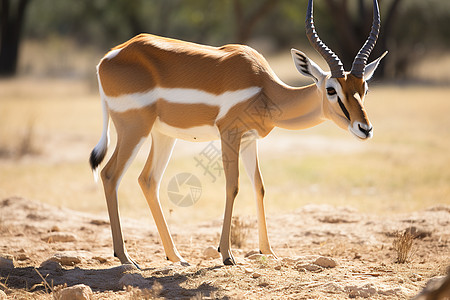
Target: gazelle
{"points": [[179, 90]]}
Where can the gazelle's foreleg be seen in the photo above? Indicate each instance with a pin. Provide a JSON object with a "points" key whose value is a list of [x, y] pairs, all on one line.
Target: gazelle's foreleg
{"points": [[249, 154], [126, 149], [150, 180], [230, 159]]}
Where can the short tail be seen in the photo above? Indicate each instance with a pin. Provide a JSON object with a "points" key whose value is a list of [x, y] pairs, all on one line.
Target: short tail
{"points": [[100, 150]]}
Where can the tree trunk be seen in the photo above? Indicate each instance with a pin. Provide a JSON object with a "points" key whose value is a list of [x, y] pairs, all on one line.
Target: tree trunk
{"points": [[246, 24], [12, 17]]}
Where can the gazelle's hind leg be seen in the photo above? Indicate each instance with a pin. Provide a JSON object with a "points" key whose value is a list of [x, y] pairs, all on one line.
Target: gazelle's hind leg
{"points": [[150, 180], [127, 147], [249, 154]]}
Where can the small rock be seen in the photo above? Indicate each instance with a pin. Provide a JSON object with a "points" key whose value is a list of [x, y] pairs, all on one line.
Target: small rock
{"points": [[51, 265], [6, 263], [100, 259], [22, 256], [332, 287], [3, 295], [99, 222], [211, 253], [62, 237], [364, 291], [66, 259], [132, 279], [308, 267], [263, 283], [76, 292], [256, 275], [277, 267], [248, 270], [251, 252], [55, 228], [325, 262]]}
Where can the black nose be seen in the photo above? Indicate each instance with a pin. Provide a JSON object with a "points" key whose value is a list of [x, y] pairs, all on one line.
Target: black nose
{"points": [[365, 131]]}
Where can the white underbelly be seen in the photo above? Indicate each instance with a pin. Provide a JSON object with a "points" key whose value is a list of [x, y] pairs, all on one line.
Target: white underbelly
{"points": [[202, 133]]}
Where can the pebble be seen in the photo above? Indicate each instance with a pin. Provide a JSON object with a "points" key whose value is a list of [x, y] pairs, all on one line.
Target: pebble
{"points": [[364, 291], [211, 253], [51, 265], [308, 267], [332, 287], [6, 263], [55, 228], [256, 275], [62, 237], [3, 295], [251, 252], [325, 262], [66, 259], [76, 292], [22, 256], [100, 259]]}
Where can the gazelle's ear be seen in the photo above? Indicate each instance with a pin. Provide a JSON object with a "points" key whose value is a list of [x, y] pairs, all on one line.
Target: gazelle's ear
{"points": [[370, 68], [306, 66]]}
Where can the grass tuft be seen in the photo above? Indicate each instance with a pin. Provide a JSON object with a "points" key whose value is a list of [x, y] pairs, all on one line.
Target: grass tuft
{"points": [[402, 244], [239, 231]]}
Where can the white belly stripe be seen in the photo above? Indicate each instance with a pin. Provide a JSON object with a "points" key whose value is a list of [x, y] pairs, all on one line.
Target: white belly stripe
{"points": [[224, 101]]}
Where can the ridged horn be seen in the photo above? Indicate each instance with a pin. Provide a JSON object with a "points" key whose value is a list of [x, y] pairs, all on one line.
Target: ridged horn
{"points": [[333, 61], [360, 61]]}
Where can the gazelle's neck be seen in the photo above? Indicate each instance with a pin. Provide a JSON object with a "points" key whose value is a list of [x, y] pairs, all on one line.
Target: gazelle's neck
{"points": [[299, 107]]}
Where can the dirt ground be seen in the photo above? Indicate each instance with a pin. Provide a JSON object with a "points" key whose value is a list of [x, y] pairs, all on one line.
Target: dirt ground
{"points": [[324, 252]]}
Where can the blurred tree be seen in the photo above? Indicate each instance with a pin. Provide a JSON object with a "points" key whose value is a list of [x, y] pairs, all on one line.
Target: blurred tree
{"points": [[352, 30], [12, 15], [408, 29], [246, 22]]}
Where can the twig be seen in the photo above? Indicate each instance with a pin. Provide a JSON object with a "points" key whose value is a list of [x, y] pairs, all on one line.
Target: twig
{"points": [[44, 281]]}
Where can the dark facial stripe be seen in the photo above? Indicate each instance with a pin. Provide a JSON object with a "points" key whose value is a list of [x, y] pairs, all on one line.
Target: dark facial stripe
{"points": [[344, 110]]}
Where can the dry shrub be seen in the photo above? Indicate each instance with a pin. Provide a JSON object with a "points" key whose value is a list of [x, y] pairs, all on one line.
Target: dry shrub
{"points": [[25, 145], [239, 231], [402, 245]]}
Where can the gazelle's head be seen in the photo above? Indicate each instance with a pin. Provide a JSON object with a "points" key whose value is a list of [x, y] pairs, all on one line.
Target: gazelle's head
{"points": [[342, 92]]}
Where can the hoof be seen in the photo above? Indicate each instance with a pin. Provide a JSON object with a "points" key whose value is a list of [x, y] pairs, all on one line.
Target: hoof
{"points": [[229, 262]]}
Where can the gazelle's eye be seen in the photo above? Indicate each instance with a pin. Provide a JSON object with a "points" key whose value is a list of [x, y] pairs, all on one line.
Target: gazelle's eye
{"points": [[331, 91]]}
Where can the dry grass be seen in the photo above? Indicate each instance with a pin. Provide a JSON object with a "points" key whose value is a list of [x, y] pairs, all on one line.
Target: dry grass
{"points": [[239, 231], [402, 245], [25, 145]]}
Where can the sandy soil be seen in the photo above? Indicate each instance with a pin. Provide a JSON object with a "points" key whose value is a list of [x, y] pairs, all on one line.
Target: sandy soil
{"points": [[43, 247]]}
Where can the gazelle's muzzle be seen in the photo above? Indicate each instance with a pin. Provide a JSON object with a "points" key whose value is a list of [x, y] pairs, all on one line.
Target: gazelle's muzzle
{"points": [[361, 130]]}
